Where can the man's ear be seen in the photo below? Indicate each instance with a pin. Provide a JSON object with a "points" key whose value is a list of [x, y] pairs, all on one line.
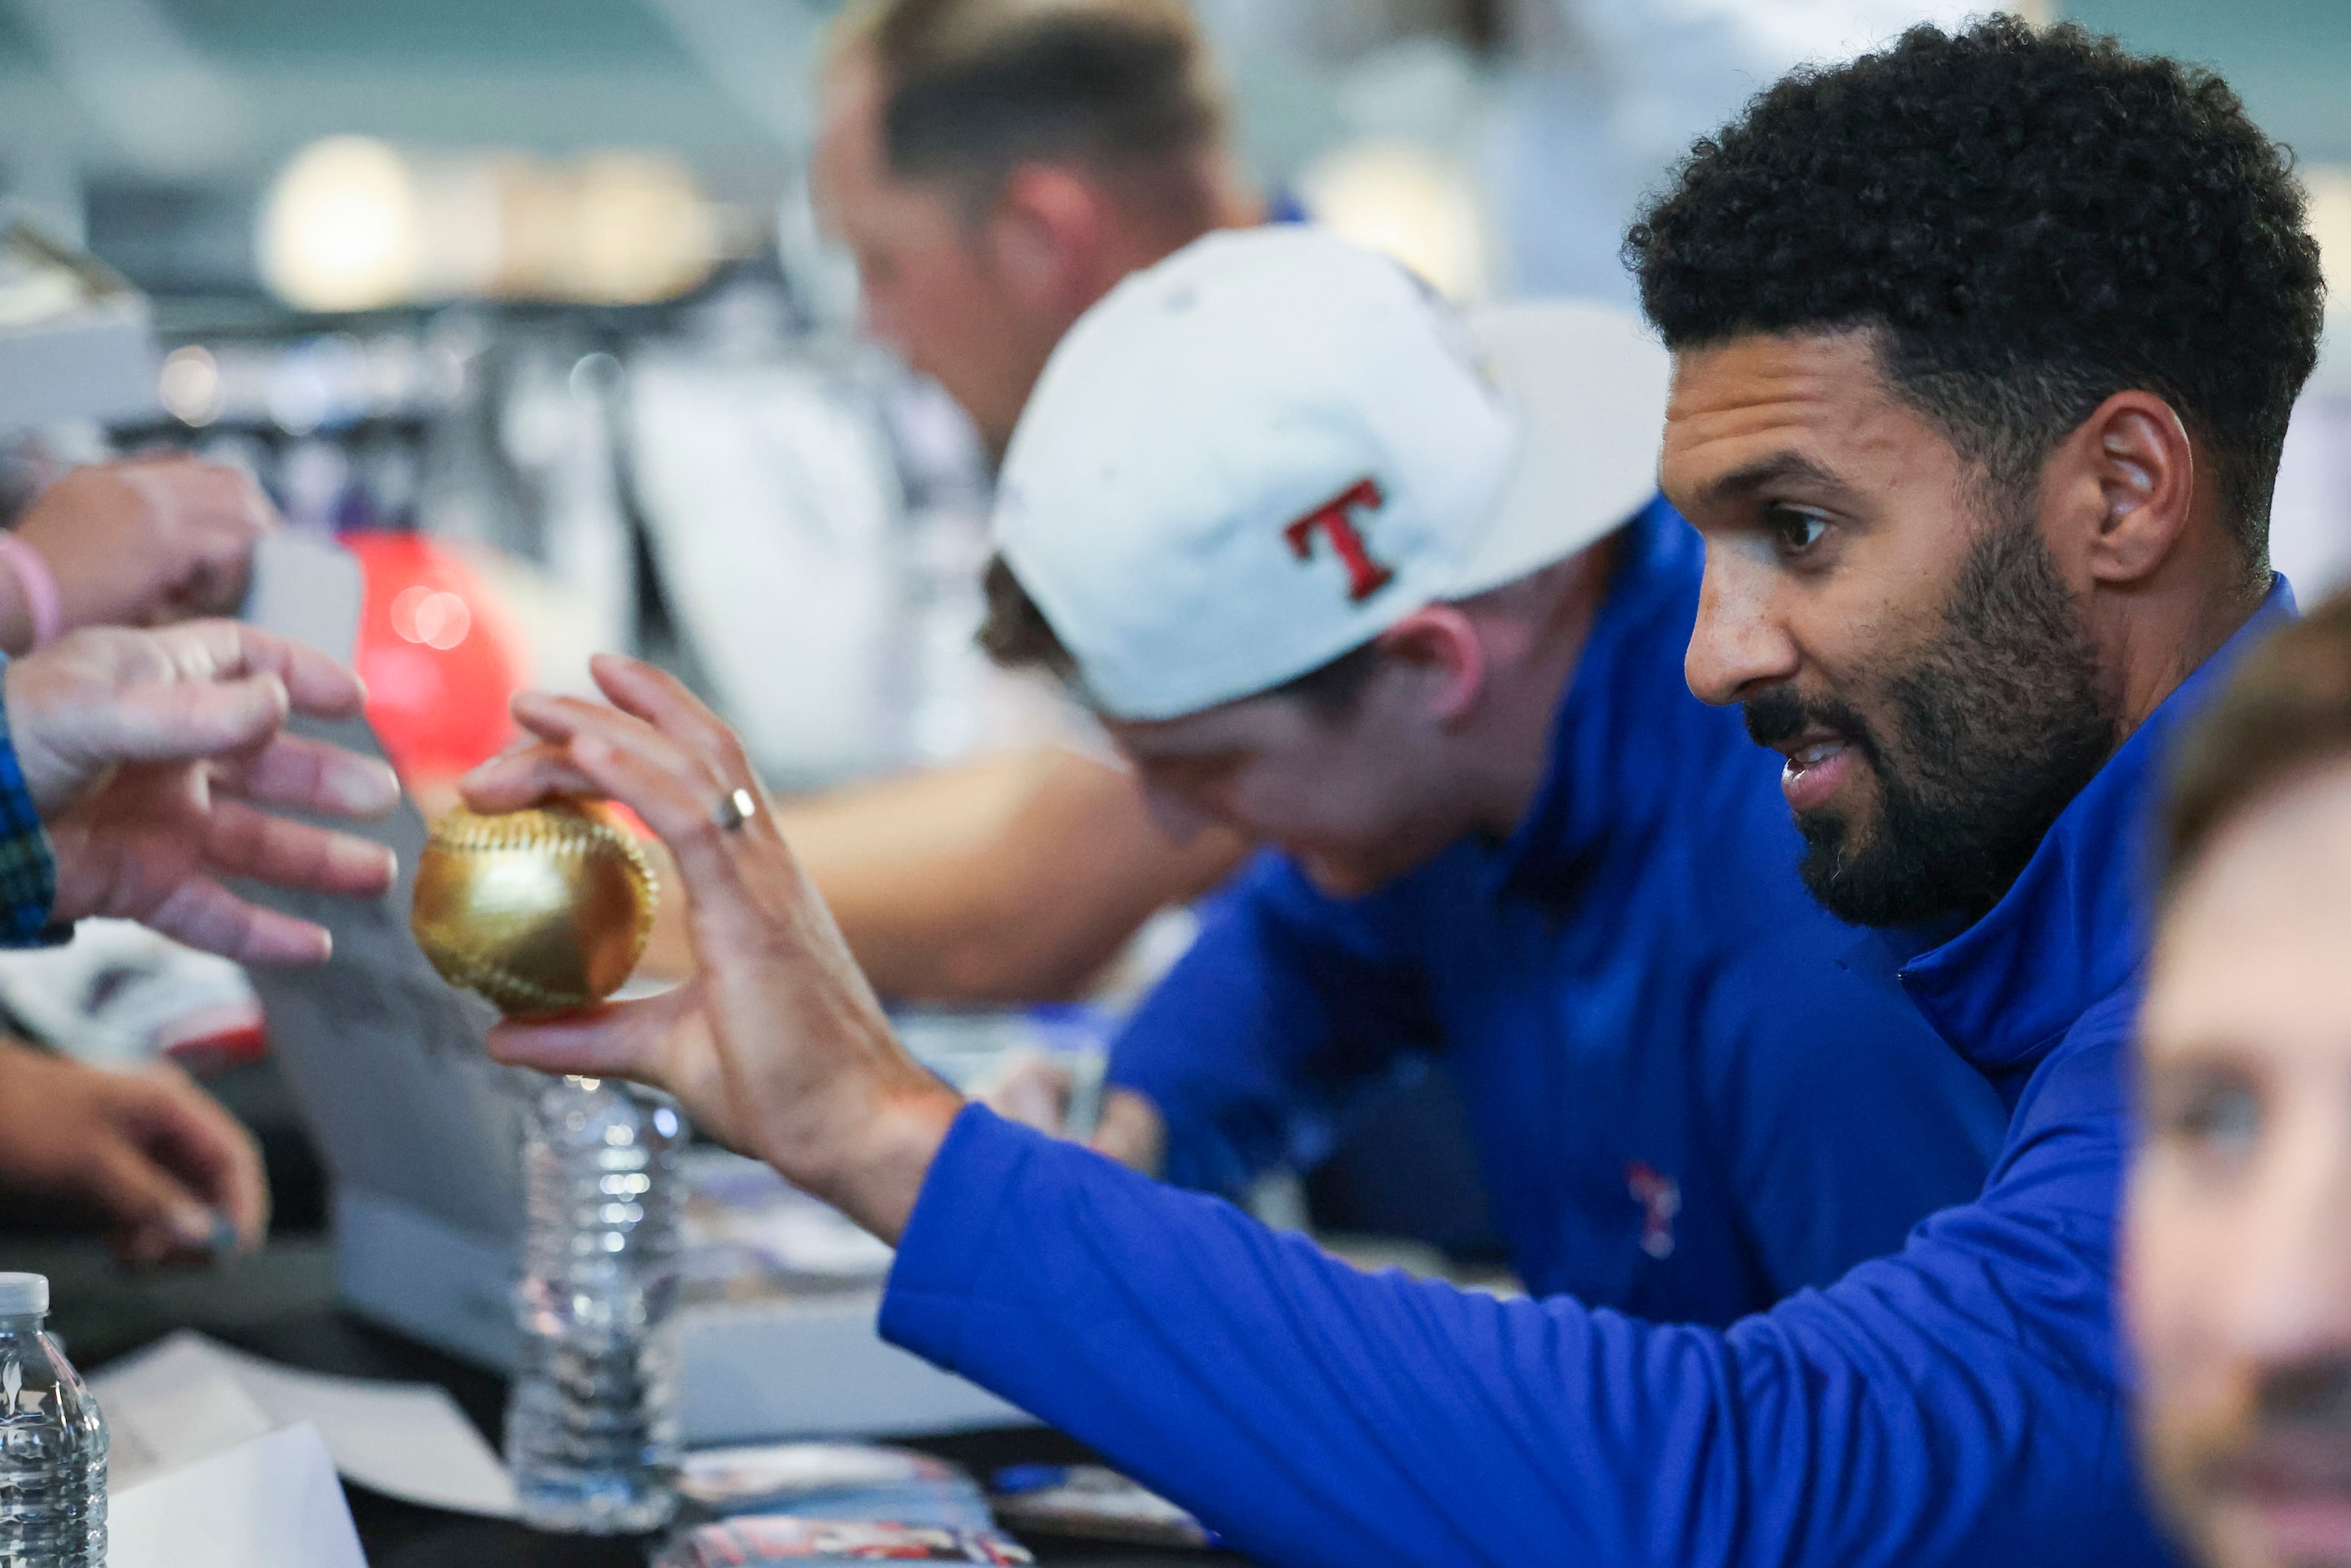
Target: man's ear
{"points": [[1441, 646], [2132, 471], [1047, 234]]}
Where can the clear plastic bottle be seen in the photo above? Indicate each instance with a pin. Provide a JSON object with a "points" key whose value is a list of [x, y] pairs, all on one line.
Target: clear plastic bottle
{"points": [[591, 1422], [52, 1442]]}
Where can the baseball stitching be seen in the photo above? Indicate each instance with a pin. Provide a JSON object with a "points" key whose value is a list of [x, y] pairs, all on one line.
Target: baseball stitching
{"points": [[568, 833]]}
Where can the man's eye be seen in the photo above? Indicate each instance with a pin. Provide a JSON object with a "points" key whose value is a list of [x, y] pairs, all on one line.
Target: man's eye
{"points": [[2220, 1116], [1793, 532]]}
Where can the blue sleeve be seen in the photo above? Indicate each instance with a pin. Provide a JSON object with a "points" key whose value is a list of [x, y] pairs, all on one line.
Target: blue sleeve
{"points": [[1286, 1000], [28, 865], [1953, 1405], [1813, 1072]]}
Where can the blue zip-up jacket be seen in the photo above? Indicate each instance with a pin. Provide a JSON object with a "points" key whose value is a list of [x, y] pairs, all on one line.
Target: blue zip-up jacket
{"points": [[1684, 1107], [1956, 1403]]}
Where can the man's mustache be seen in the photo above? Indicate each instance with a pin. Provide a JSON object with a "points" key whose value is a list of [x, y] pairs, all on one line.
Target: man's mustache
{"points": [[2308, 1394], [2295, 1433], [1779, 715]]}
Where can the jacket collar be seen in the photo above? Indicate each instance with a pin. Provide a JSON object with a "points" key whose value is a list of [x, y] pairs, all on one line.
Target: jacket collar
{"points": [[1598, 784], [2072, 929]]}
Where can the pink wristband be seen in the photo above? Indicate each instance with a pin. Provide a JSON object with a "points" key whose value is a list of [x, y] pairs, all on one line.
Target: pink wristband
{"points": [[40, 585]]}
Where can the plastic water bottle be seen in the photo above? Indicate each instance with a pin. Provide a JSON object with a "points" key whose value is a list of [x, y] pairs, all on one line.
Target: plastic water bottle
{"points": [[591, 1423], [52, 1442]]}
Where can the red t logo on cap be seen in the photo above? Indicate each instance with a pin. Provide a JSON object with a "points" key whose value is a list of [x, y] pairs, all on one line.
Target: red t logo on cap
{"points": [[1365, 576]]}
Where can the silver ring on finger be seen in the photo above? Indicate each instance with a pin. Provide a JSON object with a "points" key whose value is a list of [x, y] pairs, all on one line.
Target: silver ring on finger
{"points": [[734, 809]]}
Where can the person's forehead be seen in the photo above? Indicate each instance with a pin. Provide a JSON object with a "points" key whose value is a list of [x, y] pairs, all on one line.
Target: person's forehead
{"points": [[853, 184], [1763, 402], [2250, 955], [1770, 370]]}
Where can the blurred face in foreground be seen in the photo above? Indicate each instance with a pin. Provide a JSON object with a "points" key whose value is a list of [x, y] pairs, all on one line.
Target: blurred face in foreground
{"points": [[2238, 1247]]}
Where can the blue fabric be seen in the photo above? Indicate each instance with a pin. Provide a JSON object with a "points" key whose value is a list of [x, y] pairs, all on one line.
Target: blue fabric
{"points": [[28, 864], [1956, 1403], [1685, 1106]]}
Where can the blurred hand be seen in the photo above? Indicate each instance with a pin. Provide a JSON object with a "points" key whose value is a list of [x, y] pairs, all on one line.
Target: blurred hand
{"points": [[1036, 1091], [777, 1045], [154, 758], [141, 542], [156, 1153]]}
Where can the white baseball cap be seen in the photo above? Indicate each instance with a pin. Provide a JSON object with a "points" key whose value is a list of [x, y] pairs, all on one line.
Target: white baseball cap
{"points": [[1271, 446]]}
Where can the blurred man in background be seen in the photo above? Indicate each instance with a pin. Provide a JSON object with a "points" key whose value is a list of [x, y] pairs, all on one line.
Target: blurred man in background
{"points": [[2240, 1239], [995, 167]]}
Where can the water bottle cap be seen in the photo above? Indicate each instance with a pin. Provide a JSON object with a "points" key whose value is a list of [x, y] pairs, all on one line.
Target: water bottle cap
{"points": [[24, 1295]]}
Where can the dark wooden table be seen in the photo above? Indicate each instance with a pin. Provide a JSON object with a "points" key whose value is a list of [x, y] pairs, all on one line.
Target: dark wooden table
{"points": [[280, 1305]]}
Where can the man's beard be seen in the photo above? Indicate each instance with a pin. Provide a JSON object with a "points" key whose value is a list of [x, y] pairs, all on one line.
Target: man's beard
{"points": [[1997, 723], [2208, 1455]]}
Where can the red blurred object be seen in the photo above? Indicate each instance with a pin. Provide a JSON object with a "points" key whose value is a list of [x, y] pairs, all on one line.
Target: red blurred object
{"points": [[440, 656]]}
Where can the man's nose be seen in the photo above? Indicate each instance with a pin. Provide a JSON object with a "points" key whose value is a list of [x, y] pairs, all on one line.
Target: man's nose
{"points": [[1737, 647], [2292, 1288]]}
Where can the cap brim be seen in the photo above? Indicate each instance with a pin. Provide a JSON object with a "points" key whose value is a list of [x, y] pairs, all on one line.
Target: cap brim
{"points": [[1589, 384]]}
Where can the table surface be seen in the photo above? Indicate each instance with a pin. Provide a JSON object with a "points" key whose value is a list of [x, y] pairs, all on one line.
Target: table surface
{"points": [[280, 1304]]}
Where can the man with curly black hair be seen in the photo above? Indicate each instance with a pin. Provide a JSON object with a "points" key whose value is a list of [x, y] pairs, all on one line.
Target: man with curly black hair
{"points": [[1984, 347], [1912, 302], [1984, 351]]}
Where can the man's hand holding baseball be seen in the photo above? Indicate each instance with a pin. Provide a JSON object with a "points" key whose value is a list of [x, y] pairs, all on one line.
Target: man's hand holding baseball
{"points": [[776, 1046]]}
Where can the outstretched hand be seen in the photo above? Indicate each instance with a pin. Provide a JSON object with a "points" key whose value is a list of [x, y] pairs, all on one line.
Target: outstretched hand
{"points": [[776, 1046], [158, 759], [158, 1155], [142, 540]]}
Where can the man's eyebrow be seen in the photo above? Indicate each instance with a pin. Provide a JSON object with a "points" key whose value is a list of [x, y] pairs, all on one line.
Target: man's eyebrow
{"points": [[1778, 468]]}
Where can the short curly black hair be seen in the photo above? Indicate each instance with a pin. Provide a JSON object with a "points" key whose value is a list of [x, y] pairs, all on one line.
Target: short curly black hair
{"points": [[2032, 221]]}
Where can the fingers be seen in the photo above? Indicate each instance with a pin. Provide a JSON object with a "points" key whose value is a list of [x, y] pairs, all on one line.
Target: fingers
{"points": [[315, 684], [215, 506], [618, 755], [1033, 1090], [306, 775], [523, 778], [243, 841], [207, 916], [616, 1039], [1132, 1132], [158, 1214], [152, 721], [208, 517], [674, 796], [194, 1138], [661, 705], [661, 700]]}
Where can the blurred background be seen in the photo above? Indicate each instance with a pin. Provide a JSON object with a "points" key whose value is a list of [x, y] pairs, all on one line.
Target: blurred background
{"points": [[538, 281], [526, 302]]}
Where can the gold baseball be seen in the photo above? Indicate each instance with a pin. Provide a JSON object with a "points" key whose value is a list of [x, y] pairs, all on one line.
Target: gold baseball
{"points": [[542, 910]]}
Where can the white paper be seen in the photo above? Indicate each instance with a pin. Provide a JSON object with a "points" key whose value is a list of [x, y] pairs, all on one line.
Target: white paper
{"points": [[171, 1406], [272, 1503], [189, 1397]]}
